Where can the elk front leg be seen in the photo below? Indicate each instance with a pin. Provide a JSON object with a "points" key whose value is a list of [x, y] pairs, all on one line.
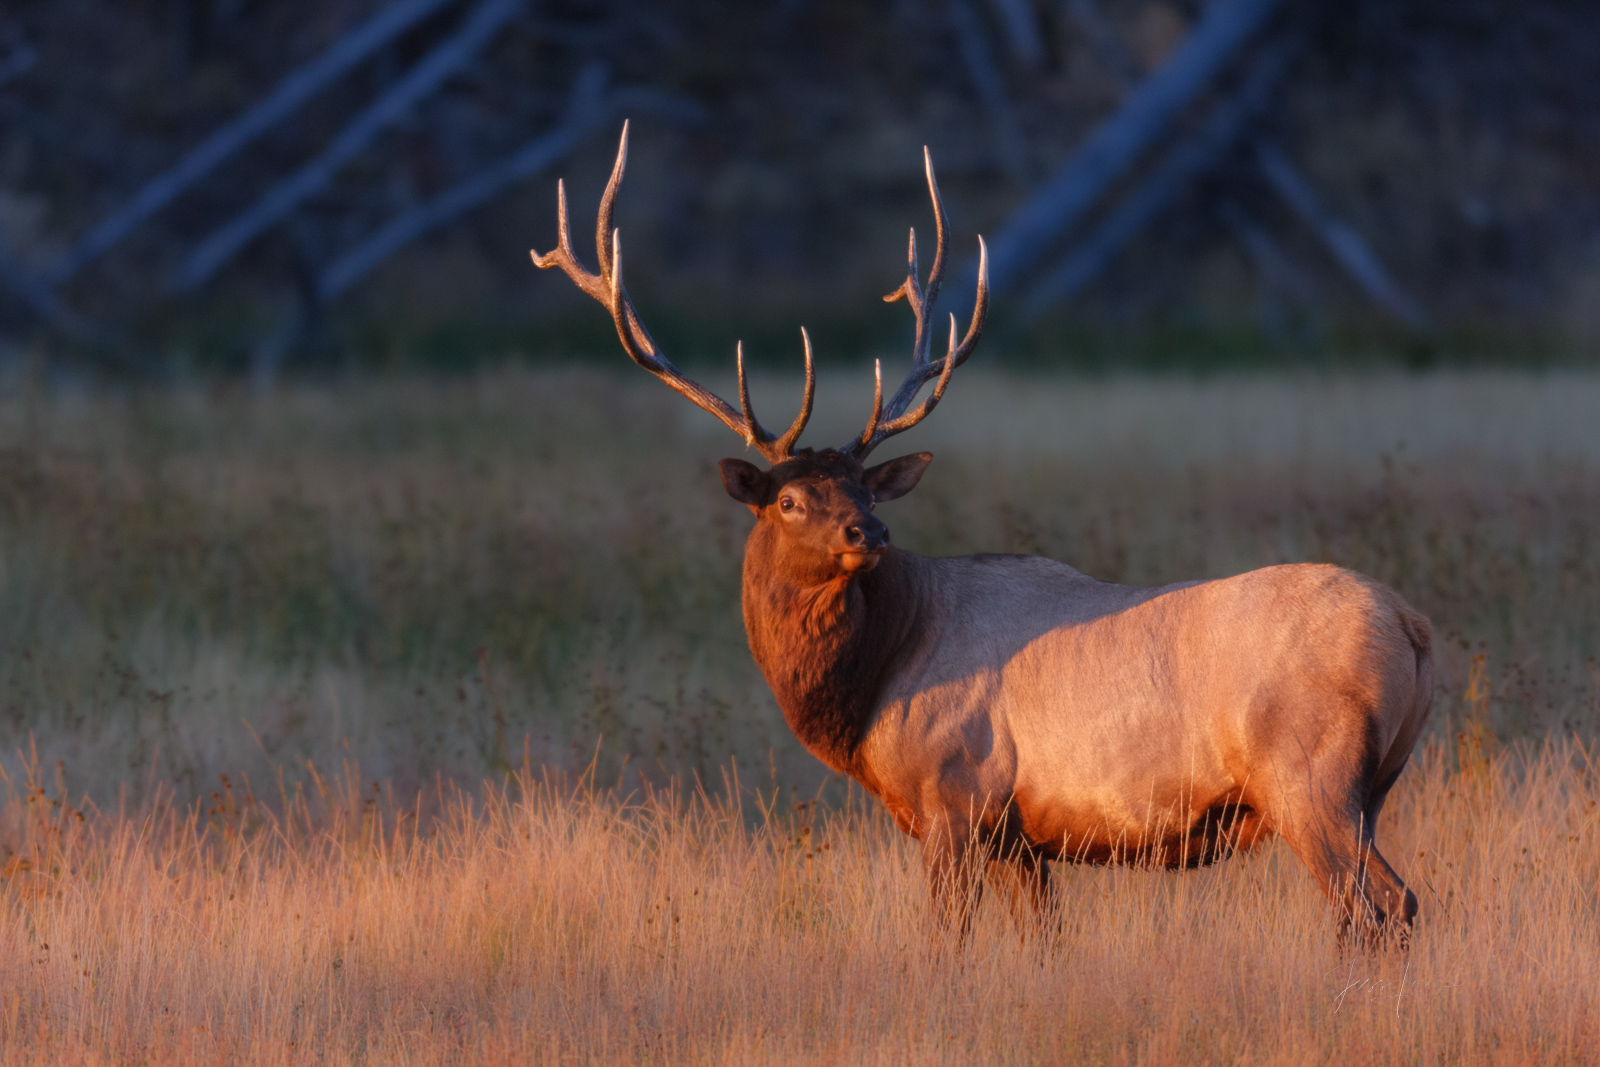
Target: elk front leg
{"points": [[951, 857]]}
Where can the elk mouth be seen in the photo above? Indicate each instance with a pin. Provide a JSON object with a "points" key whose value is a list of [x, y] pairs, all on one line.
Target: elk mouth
{"points": [[860, 560]]}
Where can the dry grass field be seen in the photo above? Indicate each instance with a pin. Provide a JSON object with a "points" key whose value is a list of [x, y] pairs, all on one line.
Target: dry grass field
{"points": [[412, 722]]}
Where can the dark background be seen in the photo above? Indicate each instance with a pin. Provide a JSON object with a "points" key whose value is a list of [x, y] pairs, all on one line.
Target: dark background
{"points": [[775, 169]]}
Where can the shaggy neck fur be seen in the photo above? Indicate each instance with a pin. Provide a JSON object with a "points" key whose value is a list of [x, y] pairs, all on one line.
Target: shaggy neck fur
{"points": [[827, 647]]}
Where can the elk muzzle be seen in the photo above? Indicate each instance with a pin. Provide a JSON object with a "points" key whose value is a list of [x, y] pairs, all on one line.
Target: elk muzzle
{"points": [[865, 541]]}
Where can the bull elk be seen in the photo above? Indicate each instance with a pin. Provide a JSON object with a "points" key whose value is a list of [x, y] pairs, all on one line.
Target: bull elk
{"points": [[1009, 710]]}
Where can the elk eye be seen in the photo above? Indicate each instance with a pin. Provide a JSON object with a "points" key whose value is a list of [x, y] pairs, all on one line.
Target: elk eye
{"points": [[786, 505]]}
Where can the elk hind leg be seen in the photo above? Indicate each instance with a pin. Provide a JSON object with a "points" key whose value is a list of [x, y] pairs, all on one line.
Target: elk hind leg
{"points": [[1396, 900], [1330, 828], [1383, 885]]}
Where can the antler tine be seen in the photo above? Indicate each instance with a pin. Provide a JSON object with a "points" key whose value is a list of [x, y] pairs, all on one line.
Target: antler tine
{"points": [[910, 289], [596, 285], [777, 449], [562, 255], [636, 340], [563, 224], [786, 443], [958, 354], [926, 297], [922, 299], [911, 418], [980, 308], [755, 433], [865, 442], [608, 199], [607, 288], [941, 222], [980, 312]]}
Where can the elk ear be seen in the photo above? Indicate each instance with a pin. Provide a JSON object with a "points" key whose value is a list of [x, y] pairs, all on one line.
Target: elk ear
{"points": [[897, 477], [744, 481]]}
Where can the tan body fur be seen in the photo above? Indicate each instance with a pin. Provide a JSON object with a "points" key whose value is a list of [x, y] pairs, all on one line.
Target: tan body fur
{"points": [[1023, 711], [1010, 710], [1162, 724]]}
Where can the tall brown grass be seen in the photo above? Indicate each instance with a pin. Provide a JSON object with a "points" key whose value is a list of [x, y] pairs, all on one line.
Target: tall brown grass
{"points": [[531, 579], [535, 923]]}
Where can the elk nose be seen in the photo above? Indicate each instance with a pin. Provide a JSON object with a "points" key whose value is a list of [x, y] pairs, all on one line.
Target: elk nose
{"points": [[867, 535]]}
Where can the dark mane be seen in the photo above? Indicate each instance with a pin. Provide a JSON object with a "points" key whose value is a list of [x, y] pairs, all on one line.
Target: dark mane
{"points": [[827, 650]]}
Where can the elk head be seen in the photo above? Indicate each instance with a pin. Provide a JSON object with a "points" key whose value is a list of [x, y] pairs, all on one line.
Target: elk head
{"points": [[819, 507], [817, 503]]}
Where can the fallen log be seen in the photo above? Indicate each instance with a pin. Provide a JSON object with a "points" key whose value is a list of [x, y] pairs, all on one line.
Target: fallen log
{"points": [[42, 300], [1190, 157], [421, 81], [991, 86], [1345, 244], [295, 89], [1117, 143], [526, 161], [1022, 31], [1352, 253]]}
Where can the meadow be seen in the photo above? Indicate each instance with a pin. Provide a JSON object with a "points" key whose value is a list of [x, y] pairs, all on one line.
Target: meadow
{"points": [[412, 721]]}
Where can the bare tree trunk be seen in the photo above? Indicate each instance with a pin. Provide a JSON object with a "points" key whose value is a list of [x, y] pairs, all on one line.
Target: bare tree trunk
{"points": [[991, 86], [588, 111], [294, 90], [1348, 248], [1022, 31], [421, 81], [1346, 245], [1189, 158], [41, 299], [1118, 142]]}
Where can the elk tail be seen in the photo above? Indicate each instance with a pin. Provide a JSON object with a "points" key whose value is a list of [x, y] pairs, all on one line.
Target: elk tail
{"points": [[1419, 632]]}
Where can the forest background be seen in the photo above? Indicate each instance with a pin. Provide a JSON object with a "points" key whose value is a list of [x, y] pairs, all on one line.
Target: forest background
{"points": [[777, 166]]}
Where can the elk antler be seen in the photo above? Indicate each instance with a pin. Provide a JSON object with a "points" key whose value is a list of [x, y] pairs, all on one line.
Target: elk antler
{"points": [[607, 288], [886, 422]]}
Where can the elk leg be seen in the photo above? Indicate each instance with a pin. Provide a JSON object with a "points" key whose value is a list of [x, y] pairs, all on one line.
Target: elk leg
{"points": [[1327, 818], [1374, 903], [1365, 891], [950, 855], [1388, 896]]}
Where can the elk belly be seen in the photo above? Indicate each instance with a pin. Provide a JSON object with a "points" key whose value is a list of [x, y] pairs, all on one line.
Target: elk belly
{"points": [[1121, 722], [1127, 748]]}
